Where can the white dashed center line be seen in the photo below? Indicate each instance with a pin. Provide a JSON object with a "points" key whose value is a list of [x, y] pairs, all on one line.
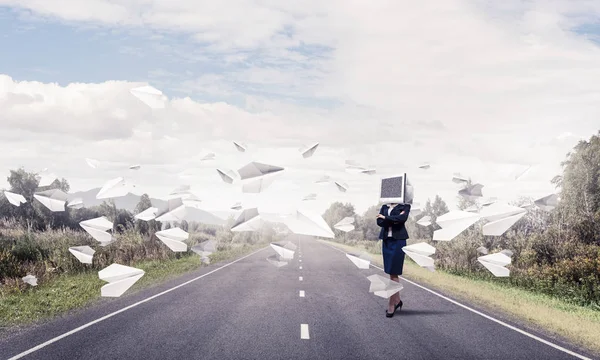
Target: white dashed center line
{"points": [[300, 260], [301, 293], [300, 267], [304, 331], [300, 278]]}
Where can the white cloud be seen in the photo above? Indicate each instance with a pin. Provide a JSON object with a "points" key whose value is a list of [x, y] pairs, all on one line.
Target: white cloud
{"points": [[468, 85]]}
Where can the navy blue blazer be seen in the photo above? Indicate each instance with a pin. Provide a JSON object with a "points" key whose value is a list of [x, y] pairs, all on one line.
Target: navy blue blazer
{"points": [[395, 220]]}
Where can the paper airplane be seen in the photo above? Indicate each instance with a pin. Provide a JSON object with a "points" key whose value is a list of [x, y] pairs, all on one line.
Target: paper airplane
{"points": [[500, 218], [424, 221], [181, 190], [120, 278], [237, 206], [547, 203], [98, 228], [453, 223], [284, 253], [308, 151], [507, 252], [76, 203], [174, 238], [323, 179], [256, 169], [248, 220], [30, 279], [471, 191], [420, 253], [276, 260], [424, 166], [304, 222], [15, 199], [361, 261], [226, 175], [346, 224], [258, 185], [45, 179], [148, 214], [204, 249], [383, 287], [496, 263], [482, 250], [208, 157], [459, 179], [241, 147], [310, 197], [53, 199], [84, 254], [113, 189], [135, 167], [343, 187], [150, 96]]}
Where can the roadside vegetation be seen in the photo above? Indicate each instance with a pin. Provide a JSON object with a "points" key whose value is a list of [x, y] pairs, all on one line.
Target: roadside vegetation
{"points": [[35, 241], [555, 253]]}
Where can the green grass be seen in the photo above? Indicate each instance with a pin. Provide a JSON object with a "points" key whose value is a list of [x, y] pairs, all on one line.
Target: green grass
{"points": [[73, 291], [580, 325]]}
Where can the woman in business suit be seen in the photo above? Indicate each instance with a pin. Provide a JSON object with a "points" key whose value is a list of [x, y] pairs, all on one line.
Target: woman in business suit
{"points": [[391, 219]]}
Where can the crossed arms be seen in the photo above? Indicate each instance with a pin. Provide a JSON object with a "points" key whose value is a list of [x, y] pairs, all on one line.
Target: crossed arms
{"points": [[385, 221]]}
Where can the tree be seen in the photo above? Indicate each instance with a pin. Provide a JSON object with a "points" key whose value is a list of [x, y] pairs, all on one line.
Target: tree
{"points": [[580, 190], [337, 211], [141, 226], [434, 210], [367, 223]]}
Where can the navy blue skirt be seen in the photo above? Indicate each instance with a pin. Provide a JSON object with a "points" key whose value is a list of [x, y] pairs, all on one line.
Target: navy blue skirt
{"points": [[393, 255]]}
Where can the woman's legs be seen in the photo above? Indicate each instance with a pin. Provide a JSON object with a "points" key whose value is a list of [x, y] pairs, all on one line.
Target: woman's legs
{"points": [[394, 299]]}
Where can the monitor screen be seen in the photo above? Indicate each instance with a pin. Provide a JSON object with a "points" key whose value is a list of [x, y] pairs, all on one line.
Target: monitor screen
{"points": [[393, 189]]}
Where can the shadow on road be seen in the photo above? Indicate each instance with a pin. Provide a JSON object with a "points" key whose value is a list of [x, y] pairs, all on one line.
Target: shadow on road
{"points": [[408, 312]]}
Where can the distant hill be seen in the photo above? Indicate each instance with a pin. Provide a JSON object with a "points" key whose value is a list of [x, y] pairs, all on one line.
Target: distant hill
{"points": [[130, 201]]}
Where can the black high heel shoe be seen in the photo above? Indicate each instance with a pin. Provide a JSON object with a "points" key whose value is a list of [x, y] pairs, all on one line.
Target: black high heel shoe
{"points": [[398, 305]]}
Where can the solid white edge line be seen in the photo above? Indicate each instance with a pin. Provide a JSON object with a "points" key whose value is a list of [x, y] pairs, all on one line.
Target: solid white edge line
{"points": [[55, 339], [523, 332], [301, 293], [304, 334]]}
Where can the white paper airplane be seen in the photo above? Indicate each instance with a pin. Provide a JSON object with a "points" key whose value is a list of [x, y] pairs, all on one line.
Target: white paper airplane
{"points": [[361, 261], [304, 222], [174, 239], [98, 228], [241, 147], [496, 263], [453, 223], [76, 203], [284, 253], [276, 260], [113, 189], [383, 287], [342, 186], [346, 224], [84, 254], [120, 278], [308, 151], [15, 199], [421, 254], [30, 279], [226, 175], [424, 221], [54, 199], [150, 96]]}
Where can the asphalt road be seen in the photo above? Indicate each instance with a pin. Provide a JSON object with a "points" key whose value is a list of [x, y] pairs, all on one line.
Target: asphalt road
{"points": [[250, 309]]}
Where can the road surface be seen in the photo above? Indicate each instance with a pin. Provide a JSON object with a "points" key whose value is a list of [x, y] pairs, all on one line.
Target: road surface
{"points": [[249, 309]]}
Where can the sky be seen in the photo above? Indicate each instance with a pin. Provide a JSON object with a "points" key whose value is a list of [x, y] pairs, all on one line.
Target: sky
{"points": [[485, 89]]}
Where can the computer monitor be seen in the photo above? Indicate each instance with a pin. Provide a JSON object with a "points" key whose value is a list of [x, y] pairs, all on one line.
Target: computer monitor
{"points": [[396, 189]]}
